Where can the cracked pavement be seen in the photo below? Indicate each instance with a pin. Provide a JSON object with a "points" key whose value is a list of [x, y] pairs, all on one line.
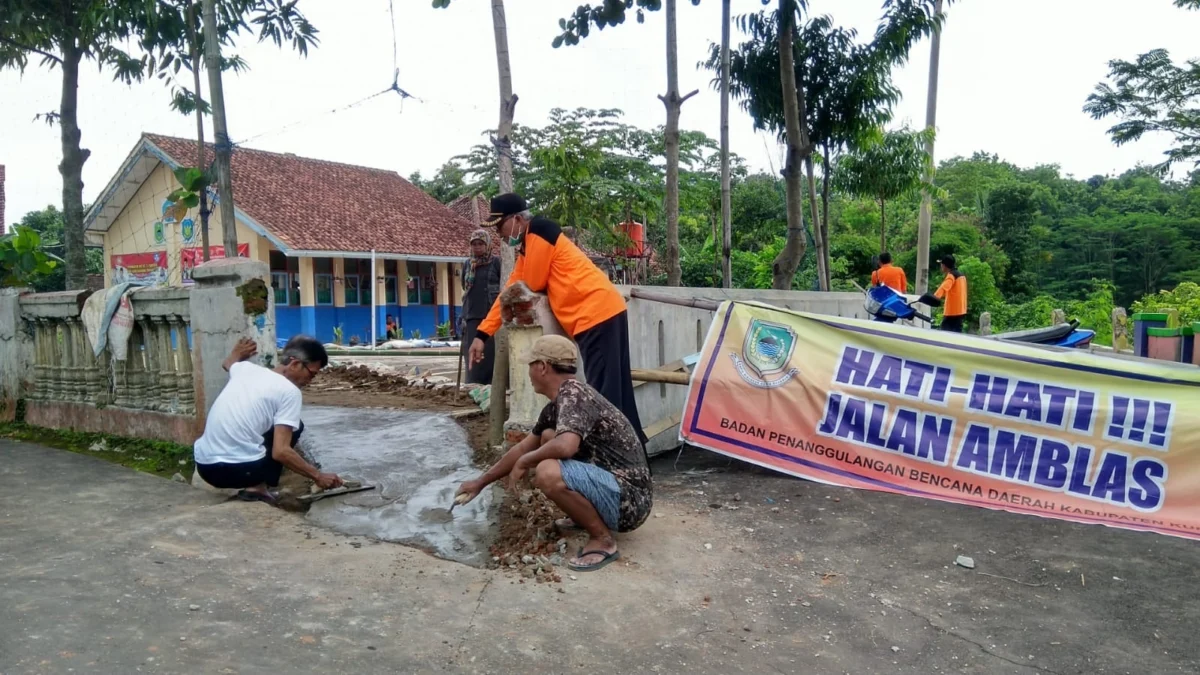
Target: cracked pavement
{"points": [[104, 570]]}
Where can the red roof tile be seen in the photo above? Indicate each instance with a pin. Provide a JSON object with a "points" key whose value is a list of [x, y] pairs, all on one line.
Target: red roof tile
{"points": [[314, 205]]}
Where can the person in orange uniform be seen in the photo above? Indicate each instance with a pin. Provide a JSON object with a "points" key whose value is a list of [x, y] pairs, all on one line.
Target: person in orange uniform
{"points": [[952, 292], [581, 296], [889, 275]]}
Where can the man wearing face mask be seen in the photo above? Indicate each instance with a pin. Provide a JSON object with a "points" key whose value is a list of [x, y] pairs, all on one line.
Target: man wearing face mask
{"points": [[582, 298]]}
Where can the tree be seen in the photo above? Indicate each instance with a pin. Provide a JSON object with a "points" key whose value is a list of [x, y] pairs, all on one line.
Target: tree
{"points": [[886, 168], [176, 40], [48, 225], [926, 216], [1153, 95], [845, 87], [612, 13], [63, 34], [504, 162], [448, 184]]}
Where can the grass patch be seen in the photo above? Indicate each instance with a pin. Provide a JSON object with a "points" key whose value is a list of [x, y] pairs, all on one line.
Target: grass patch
{"points": [[161, 458]]}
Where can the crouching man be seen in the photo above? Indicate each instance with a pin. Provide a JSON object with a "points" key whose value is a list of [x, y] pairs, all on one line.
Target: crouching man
{"points": [[250, 432], [585, 455]]}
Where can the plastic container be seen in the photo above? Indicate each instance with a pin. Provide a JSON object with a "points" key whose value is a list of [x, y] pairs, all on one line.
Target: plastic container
{"points": [[1164, 344], [1142, 322], [637, 238]]}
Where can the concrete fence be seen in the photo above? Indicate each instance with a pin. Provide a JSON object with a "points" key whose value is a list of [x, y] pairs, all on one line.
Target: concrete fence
{"points": [[172, 370], [661, 335]]}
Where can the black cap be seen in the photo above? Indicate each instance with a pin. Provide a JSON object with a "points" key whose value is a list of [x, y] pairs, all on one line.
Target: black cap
{"points": [[504, 206]]}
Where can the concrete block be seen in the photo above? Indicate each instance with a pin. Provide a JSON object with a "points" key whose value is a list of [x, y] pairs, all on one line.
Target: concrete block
{"points": [[231, 299], [16, 352]]}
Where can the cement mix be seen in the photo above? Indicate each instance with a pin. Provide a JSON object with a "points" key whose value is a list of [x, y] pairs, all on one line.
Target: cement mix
{"points": [[416, 460]]}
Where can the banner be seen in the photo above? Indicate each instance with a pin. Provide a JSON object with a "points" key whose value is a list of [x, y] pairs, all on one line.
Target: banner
{"points": [[190, 257], [150, 267], [1052, 433]]}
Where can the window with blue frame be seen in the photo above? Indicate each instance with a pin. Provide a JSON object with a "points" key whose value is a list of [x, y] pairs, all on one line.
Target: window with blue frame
{"points": [[285, 279], [390, 285], [279, 283], [351, 284]]}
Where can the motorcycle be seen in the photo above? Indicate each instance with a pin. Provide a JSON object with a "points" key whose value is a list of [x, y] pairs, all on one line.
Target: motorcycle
{"points": [[886, 305]]}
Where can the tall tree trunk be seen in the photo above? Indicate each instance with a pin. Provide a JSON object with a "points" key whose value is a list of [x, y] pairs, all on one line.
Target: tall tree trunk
{"points": [[726, 201], [498, 410], [673, 103], [826, 175], [783, 269], [818, 235], [71, 169], [882, 225], [194, 46], [926, 218], [223, 146]]}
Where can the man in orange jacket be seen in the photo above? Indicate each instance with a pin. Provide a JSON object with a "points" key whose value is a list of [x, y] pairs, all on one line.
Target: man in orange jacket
{"points": [[889, 275], [952, 292], [582, 298]]}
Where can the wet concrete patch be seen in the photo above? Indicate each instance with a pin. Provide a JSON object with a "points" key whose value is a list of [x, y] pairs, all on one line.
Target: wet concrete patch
{"points": [[416, 460]]}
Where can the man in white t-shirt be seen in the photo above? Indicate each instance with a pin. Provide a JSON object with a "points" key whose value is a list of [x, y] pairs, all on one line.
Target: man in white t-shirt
{"points": [[252, 427]]}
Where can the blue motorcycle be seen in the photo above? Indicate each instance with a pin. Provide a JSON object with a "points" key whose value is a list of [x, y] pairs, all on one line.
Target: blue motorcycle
{"points": [[887, 306]]}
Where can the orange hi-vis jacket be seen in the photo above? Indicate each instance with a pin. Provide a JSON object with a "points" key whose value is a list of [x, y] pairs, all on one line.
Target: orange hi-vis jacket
{"points": [[891, 276], [580, 295], [953, 292]]}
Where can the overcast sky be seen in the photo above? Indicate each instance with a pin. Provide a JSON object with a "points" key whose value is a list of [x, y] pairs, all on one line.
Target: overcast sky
{"points": [[1014, 77]]}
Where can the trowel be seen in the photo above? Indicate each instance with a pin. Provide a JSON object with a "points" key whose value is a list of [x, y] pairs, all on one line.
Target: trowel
{"points": [[461, 498], [346, 488]]}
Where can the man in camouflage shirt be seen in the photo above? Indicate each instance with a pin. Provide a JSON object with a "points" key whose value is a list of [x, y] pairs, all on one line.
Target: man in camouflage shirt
{"points": [[585, 454]]}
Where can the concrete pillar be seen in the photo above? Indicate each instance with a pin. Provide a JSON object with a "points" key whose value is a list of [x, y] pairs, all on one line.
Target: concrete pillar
{"points": [[442, 274], [985, 323], [16, 368], [524, 404], [1058, 317], [381, 307], [1120, 328], [308, 298], [231, 299]]}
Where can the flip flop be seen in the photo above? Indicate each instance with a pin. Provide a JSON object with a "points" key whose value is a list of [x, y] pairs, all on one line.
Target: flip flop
{"points": [[254, 496], [608, 557]]}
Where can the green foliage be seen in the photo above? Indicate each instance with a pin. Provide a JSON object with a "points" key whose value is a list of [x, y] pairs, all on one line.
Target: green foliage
{"points": [[443, 331], [1185, 297], [338, 333], [48, 224], [22, 259], [884, 168], [415, 334], [192, 183], [448, 184], [161, 458]]}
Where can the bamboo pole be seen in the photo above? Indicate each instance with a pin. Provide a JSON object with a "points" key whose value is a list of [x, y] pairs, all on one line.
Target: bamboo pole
{"points": [[663, 376], [698, 303]]}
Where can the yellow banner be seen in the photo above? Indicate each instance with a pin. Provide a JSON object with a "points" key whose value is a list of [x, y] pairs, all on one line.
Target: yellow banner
{"points": [[1055, 433]]}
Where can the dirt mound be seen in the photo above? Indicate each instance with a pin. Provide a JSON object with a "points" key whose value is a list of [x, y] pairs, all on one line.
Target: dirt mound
{"points": [[528, 541], [362, 387]]}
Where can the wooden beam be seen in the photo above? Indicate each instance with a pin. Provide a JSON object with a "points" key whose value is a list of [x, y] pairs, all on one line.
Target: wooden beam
{"points": [[666, 377]]}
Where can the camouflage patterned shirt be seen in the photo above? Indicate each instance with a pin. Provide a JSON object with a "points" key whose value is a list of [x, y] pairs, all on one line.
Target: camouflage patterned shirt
{"points": [[608, 441]]}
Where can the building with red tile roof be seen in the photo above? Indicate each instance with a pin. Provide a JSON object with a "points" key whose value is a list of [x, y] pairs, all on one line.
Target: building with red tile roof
{"points": [[318, 224]]}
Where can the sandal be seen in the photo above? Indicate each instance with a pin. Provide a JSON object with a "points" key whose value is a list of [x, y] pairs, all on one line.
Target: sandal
{"points": [[608, 557], [255, 496]]}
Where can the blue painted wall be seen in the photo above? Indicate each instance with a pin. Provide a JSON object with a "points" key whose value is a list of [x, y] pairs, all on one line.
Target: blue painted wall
{"points": [[356, 320]]}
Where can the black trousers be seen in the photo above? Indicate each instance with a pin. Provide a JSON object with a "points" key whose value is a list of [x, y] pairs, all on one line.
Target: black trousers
{"points": [[953, 324], [604, 349], [480, 373], [248, 474]]}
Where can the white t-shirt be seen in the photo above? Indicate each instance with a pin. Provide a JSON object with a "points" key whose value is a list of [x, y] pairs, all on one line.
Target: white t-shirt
{"points": [[255, 400]]}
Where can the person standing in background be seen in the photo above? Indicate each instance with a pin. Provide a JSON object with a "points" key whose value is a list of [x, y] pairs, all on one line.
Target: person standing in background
{"points": [[481, 283], [889, 275], [952, 292]]}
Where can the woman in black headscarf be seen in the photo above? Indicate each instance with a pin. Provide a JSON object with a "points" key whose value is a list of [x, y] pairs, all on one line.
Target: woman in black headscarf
{"points": [[481, 284]]}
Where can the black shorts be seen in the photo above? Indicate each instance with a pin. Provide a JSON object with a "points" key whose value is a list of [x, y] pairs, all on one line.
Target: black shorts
{"points": [[248, 474]]}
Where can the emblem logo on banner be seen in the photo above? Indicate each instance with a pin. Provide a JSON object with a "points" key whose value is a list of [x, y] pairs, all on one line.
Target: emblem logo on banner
{"points": [[767, 351]]}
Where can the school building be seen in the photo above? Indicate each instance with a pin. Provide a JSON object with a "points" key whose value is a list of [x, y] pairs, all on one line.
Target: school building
{"points": [[314, 222]]}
